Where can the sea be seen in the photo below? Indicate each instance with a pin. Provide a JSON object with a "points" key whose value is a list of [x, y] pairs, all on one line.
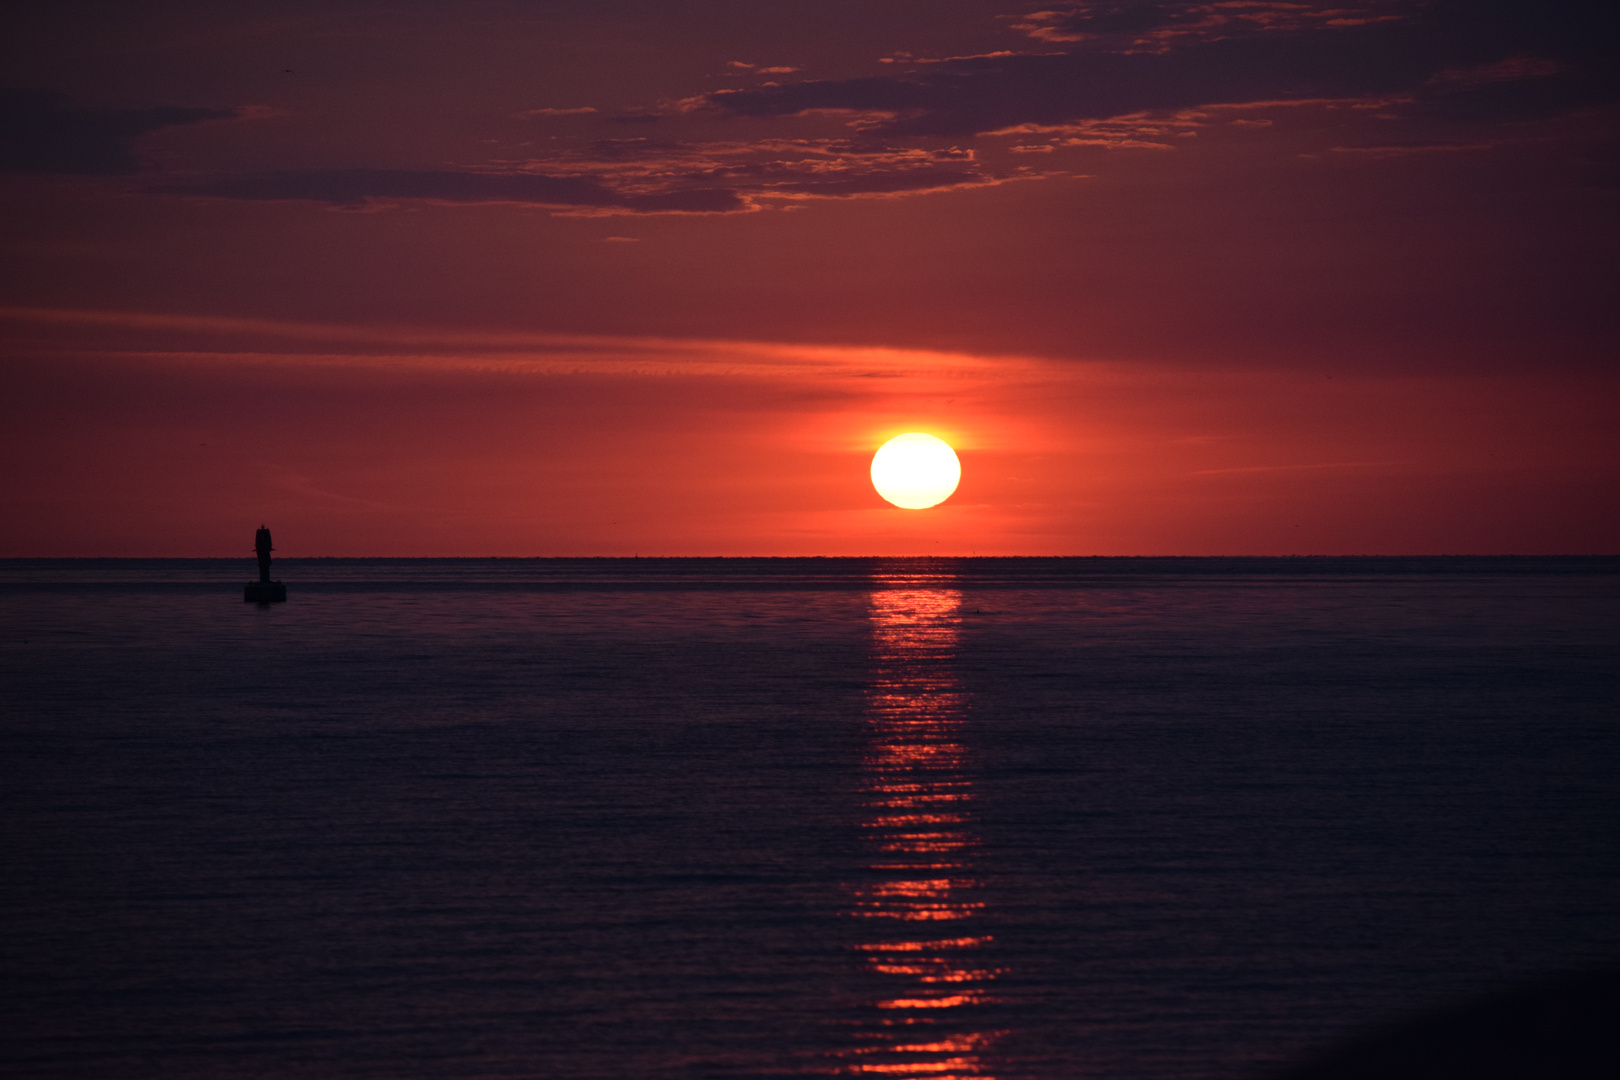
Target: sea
{"points": [[924, 819]]}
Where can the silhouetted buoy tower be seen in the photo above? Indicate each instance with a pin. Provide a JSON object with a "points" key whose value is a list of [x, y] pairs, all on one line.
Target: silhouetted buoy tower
{"points": [[264, 591]]}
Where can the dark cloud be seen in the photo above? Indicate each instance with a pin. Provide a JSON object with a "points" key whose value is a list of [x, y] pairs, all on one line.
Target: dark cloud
{"points": [[1118, 17], [1475, 61], [41, 133], [630, 149], [1134, 25], [1572, 43], [631, 176], [782, 168], [853, 185], [872, 94], [354, 187], [1519, 88]]}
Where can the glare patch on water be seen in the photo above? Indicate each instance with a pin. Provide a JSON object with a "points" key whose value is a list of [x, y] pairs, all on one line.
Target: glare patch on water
{"points": [[919, 828]]}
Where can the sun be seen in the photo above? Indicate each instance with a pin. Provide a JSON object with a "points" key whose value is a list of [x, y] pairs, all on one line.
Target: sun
{"points": [[915, 471]]}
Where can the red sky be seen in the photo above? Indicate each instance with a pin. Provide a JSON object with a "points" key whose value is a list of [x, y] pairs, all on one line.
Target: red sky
{"points": [[576, 278]]}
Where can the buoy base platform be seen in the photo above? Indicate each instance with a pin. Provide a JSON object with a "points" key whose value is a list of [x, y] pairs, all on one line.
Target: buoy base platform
{"points": [[264, 592]]}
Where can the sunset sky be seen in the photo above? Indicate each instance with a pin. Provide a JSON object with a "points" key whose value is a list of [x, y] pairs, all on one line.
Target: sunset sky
{"points": [[614, 277]]}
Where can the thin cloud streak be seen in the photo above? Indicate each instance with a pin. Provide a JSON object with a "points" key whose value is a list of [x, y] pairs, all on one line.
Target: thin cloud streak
{"points": [[1298, 468], [518, 351], [360, 187]]}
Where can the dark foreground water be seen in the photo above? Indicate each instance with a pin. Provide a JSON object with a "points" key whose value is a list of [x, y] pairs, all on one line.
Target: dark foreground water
{"points": [[574, 819]]}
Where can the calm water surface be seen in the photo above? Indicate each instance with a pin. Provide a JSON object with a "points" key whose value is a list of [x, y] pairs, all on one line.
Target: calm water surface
{"points": [[730, 818]]}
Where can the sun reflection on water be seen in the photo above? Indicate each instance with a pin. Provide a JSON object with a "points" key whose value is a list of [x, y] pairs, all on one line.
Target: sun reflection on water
{"points": [[918, 793]]}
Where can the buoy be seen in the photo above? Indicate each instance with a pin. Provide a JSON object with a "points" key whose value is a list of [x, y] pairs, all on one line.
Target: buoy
{"points": [[263, 591]]}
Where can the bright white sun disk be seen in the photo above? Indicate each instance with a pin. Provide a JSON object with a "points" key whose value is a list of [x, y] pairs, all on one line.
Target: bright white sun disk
{"points": [[915, 471]]}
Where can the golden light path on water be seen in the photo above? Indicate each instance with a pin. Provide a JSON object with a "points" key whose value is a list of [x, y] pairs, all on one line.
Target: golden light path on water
{"points": [[919, 898]]}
